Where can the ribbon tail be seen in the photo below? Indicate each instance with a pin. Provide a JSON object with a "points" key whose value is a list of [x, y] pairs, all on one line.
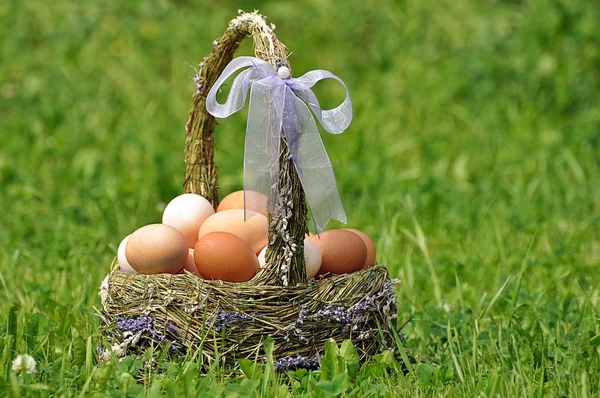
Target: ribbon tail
{"points": [[312, 163], [263, 138]]}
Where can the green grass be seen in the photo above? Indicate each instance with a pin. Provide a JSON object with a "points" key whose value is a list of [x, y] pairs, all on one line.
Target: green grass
{"points": [[473, 161]]}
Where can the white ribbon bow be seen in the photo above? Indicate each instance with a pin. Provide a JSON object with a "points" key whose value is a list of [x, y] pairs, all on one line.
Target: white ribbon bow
{"points": [[279, 106]]}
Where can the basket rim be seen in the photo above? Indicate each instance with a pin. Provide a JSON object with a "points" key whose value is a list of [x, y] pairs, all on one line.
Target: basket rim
{"points": [[253, 283]]}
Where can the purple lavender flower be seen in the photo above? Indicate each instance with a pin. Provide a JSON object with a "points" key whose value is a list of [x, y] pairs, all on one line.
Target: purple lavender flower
{"points": [[335, 314], [145, 324], [227, 318], [367, 303], [361, 313], [171, 328], [296, 326], [302, 315], [133, 325], [297, 362], [100, 350]]}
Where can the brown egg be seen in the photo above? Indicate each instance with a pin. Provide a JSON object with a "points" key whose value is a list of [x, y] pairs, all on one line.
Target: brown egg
{"points": [[254, 201], [254, 231], [371, 251], [342, 252], [224, 256], [156, 249]]}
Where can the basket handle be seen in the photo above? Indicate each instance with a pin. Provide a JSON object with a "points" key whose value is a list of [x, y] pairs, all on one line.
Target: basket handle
{"points": [[285, 254]]}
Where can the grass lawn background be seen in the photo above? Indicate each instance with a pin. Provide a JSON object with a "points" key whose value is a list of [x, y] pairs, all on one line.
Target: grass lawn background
{"points": [[473, 161]]}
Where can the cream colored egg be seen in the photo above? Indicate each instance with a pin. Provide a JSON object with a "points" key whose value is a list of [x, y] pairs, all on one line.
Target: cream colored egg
{"points": [[254, 230], [123, 263], [312, 258], [190, 265], [251, 200], [186, 213], [156, 249], [261, 256]]}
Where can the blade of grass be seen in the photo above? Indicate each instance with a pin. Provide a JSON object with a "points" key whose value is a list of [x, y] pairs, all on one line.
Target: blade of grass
{"points": [[491, 303], [457, 366], [418, 238], [517, 288]]}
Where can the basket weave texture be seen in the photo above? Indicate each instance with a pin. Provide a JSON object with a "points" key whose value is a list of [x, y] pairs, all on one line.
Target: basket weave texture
{"points": [[228, 321]]}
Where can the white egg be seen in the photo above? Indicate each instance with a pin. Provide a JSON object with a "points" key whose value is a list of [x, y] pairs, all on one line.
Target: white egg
{"points": [[187, 213], [190, 265], [261, 256], [123, 263], [312, 258]]}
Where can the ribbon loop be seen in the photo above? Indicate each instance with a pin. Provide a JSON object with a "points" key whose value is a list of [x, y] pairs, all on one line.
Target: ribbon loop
{"points": [[282, 107], [239, 88], [335, 120]]}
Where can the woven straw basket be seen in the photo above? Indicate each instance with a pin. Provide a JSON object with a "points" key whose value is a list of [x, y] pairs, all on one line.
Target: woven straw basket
{"points": [[228, 321]]}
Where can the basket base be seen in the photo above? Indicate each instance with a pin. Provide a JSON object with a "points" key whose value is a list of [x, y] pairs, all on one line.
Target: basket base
{"points": [[229, 321]]}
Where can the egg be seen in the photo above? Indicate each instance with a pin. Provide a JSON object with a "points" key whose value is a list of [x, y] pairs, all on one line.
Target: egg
{"points": [[190, 265], [342, 252], [310, 236], [123, 263], [261, 256], [225, 256], [156, 249], [312, 258], [254, 201], [371, 251], [186, 213], [254, 231]]}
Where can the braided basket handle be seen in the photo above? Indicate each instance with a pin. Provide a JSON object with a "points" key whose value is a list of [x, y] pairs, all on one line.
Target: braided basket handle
{"points": [[285, 255]]}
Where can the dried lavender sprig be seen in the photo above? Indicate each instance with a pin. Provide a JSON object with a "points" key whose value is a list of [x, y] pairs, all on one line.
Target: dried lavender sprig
{"points": [[297, 362], [142, 323], [359, 313], [224, 318], [145, 324], [170, 327], [334, 314]]}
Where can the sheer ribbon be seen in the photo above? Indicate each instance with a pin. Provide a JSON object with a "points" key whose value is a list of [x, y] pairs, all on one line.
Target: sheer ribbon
{"points": [[281, 107]]}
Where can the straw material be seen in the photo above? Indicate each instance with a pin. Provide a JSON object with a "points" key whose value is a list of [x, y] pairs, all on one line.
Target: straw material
{"points": [[228, 321], [231, 320]]}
